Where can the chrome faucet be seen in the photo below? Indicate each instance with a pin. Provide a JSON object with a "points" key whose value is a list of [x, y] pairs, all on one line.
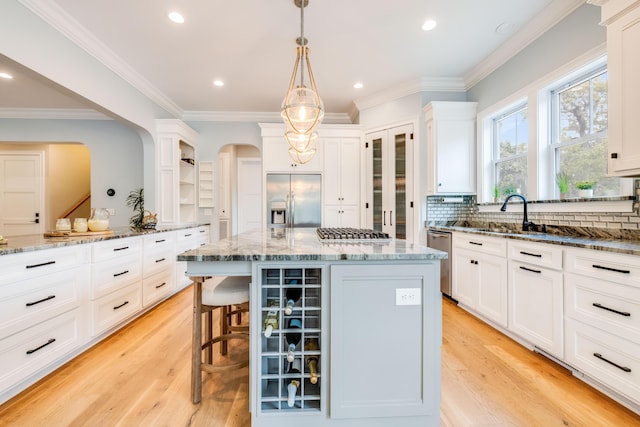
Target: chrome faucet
{"points": [[526, 224]]}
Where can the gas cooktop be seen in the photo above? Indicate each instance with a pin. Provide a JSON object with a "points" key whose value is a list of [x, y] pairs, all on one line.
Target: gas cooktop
{"points": [[350, 234]]}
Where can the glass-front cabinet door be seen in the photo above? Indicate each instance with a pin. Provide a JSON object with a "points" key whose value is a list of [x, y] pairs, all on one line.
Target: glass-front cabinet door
{"points": [[390, 171]]}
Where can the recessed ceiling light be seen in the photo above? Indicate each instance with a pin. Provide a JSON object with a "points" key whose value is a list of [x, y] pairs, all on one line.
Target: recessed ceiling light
{"points": [[176, 17], [429, 25], [505, 28], [218, 83], [6, 76], [358, 85]]}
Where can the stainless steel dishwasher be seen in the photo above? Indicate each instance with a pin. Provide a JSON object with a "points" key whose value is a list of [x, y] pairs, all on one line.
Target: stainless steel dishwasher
{"points": [[441, 240]]}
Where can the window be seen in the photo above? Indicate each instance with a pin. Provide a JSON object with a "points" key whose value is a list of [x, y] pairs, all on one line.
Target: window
{"points": [[510, 145], [579, 134]]}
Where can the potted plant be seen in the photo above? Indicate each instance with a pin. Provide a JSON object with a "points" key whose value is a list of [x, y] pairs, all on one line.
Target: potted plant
{"points": [[135, 200], [496, 194], [585, 188], [562, 179]]}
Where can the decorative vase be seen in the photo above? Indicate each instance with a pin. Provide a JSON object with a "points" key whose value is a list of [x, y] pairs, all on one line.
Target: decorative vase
{"points": [[563, 196], [585, 194]]}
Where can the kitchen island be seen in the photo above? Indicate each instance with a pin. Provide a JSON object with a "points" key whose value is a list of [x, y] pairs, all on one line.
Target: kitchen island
{"points": [[370, 314]]}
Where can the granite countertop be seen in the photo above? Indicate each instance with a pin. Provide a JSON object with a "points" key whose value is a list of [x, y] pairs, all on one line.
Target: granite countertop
{"points": [[36, 242], [600, 239], [302, 244]]}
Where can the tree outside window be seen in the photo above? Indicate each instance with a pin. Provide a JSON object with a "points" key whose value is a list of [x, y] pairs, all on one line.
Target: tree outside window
{"points": [[511, 137], [579, 134]]}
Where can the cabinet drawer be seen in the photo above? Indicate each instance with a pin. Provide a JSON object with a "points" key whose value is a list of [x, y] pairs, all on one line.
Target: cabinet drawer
{"points": [[619, 268], [17, 267], [26, 352], [112, 309], [117, 273], [26, 303], [188, 234], [612, 307], [155, 261], [539, 254], [116, 248], [159, 241], [612, 360], [157, 286], [485, 244]]}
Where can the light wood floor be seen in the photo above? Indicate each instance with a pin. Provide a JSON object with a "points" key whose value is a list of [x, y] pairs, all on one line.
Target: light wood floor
{"points": [[140, 377]]}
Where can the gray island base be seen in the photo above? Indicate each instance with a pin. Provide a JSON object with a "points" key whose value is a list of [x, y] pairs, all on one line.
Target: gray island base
{"points": [[357, 327]]}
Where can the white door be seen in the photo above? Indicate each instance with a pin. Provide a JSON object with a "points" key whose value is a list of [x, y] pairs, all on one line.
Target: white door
{"points": [[249, 194], [21, 194]]}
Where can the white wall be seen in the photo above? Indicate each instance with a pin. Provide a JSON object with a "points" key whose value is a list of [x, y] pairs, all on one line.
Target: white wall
{"points": [[573, 36]]}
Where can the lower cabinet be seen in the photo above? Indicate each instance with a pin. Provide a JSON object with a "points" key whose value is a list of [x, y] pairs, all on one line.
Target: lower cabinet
{"points": [[382, 359], [480, 276], [28, 351], [536, 307], [341, 216]]}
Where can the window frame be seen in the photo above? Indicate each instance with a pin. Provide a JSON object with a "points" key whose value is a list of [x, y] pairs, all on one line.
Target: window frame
{"points": [[540, 161], [496, 159]]}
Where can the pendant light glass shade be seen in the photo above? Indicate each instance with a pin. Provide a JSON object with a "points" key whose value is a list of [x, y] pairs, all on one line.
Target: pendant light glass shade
{"points": [[303, 157], [300, 141], [302, 108]]}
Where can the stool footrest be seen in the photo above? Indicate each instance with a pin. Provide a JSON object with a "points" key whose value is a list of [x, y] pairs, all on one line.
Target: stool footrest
{"points": [[211, 369]]}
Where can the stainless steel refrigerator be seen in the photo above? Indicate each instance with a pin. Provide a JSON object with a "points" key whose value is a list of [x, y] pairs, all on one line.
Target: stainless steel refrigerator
{"points": [[294, 200]]}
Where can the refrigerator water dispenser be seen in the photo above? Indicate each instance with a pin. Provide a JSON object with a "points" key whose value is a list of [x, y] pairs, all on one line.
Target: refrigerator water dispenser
{"points": [[278, 213]]}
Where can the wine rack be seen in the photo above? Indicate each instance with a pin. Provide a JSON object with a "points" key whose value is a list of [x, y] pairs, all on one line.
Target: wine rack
{"points": [[275, 370]]}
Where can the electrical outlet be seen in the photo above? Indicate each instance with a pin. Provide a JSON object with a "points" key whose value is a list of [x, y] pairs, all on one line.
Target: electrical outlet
{"points": [[111, 211], [408, 296]]}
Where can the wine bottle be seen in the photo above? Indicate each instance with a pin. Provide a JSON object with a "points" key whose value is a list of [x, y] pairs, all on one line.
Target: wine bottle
{"points": [[292, 388], [293, 338], [294, 367], [292, 295], [312, 359], [271, 319]]}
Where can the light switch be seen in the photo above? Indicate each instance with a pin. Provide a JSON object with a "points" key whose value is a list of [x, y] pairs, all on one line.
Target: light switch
{"points": [[408, 296]]}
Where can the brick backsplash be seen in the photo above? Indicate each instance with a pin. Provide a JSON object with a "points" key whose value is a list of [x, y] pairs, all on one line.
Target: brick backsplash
{"points": [[464, 208]]}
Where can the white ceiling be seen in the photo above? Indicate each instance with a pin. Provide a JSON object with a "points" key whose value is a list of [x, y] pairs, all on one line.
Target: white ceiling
{"points": [[250, 44]]}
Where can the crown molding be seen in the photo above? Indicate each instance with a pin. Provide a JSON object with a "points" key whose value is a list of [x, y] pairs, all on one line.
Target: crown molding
{"points": [[52, 114], [240, 116], [64, 23], [449, 84], [542, 22]]}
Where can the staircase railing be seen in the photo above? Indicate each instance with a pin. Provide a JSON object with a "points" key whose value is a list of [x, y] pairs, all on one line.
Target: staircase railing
{"points": [[76, 206]]}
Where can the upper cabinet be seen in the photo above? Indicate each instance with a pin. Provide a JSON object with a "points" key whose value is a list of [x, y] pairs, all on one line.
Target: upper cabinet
{"points": [[176, 157], [622, 18], [275, 152], [451, 154]]}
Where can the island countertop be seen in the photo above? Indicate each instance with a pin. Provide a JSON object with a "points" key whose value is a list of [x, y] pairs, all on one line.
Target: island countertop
{"points": [[302, 244]]}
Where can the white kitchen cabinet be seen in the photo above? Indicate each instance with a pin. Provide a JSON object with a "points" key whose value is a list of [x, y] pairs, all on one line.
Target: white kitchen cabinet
{"points": [[536, 295], [479, 275], [187, 239], [205, 184], [622, 18], [176, 156], [602, 319], [275, 152], [341, 182], [43, 297], [389, 157], [116, 282], [158, 267], [451, 158]]}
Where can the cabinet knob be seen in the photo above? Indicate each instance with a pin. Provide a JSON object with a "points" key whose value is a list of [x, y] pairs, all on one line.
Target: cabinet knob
{"points": [[439, 184]]}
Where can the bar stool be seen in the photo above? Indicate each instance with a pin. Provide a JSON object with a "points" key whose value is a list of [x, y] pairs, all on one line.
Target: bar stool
{"points": [[230, 295]]}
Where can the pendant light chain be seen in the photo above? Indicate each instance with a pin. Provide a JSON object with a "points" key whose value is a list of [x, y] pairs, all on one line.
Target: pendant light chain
{"points": [[303, 44]]}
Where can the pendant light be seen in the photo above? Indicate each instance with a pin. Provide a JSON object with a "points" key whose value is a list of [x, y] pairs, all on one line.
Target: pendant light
{"points": [[302, 109]]}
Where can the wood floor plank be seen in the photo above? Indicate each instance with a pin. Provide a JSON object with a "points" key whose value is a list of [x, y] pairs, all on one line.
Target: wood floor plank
{"points": [[140, 376]]}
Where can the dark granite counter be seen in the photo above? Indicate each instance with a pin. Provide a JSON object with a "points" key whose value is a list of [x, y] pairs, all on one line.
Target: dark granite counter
{"points": [[302, 244], [36, 242], [610, 240]]}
